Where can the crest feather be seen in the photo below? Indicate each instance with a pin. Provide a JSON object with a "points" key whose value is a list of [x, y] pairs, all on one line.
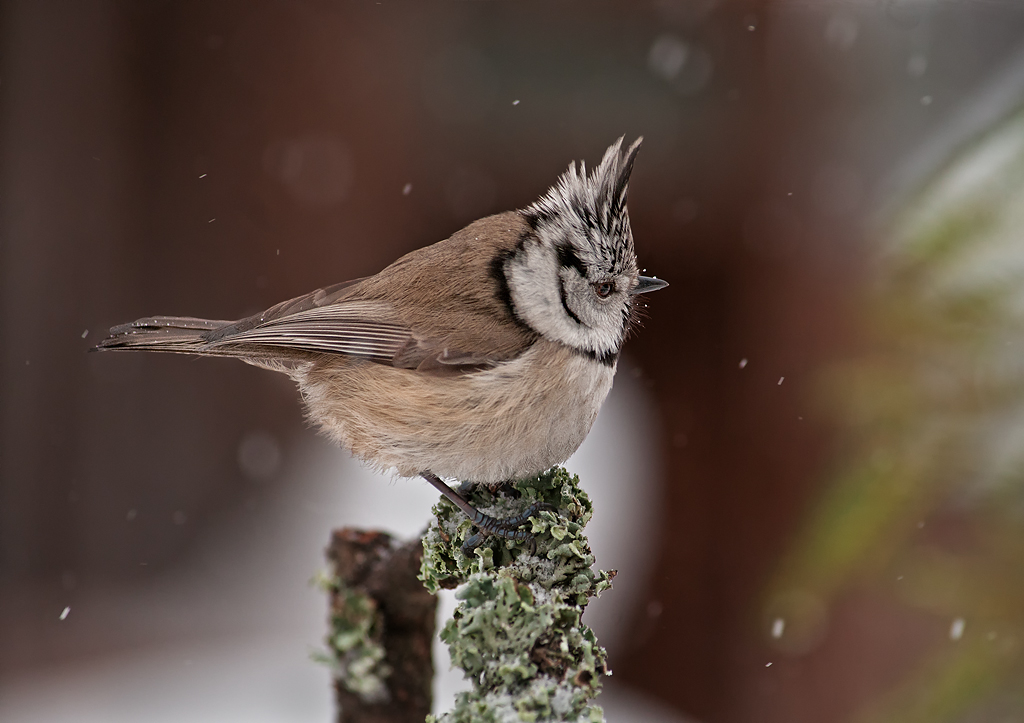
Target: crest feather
{"points": [[594, 205]]}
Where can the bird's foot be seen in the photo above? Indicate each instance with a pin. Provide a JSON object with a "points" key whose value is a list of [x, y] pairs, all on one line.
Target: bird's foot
{"points": [[504, 527]]}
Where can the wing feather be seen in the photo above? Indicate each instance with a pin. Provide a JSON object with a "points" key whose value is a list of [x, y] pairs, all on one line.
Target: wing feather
{"points": [[401, 316], [357, 328]]}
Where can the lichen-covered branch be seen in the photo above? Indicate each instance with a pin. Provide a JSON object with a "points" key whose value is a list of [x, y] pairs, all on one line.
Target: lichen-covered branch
{"points": [[517, 632], [381, 628]]}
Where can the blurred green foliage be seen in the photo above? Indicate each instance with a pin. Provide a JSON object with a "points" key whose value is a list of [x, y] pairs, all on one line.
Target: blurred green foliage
{"points": [[928, 505]]}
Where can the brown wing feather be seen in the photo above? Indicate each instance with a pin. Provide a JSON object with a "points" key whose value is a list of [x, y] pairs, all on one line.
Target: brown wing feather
{"points": [[463, 317], [357, 328], [439, 309], [409, 315]]}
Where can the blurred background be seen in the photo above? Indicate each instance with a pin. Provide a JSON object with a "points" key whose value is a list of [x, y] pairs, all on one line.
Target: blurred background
{"points": [[820, 424]]}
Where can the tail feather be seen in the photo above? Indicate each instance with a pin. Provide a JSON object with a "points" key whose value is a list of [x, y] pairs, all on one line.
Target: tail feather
{"points": [[181, 334]]}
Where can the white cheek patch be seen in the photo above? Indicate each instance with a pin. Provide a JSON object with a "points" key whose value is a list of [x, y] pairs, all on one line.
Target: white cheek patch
{"points": [[533, 284], [536, 290]]}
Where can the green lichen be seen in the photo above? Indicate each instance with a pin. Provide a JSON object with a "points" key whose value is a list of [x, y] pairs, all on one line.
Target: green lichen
{"points": [[517, 632], [356, 654]]}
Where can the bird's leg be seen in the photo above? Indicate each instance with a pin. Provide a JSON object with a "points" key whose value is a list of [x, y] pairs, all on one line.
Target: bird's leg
{"points": [[506, 527]]}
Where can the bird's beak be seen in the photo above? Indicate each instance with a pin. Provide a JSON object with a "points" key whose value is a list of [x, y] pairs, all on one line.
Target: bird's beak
{"points": [[647, 283]]}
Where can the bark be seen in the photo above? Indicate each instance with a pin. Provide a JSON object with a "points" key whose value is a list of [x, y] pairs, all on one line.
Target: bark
{"points": [[374, 564]]}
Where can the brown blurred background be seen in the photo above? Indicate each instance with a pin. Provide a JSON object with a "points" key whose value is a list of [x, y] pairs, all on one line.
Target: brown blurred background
{"points": [[213, 158]]}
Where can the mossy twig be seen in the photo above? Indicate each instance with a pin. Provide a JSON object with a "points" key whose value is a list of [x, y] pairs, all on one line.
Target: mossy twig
{"points": [[517, 632]]}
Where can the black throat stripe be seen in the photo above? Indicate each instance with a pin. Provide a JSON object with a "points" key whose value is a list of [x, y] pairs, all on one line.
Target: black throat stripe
{"points": [[608, 358], [565, 303]]}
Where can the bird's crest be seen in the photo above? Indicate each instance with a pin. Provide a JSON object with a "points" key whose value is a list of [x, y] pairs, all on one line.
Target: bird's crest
{"points": [[594, 205]]}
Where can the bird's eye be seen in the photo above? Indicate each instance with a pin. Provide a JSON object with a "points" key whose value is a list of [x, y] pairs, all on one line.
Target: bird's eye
{"points": [[604, 289]]}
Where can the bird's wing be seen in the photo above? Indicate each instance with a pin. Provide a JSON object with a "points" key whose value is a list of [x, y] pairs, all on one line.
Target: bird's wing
{"points": [[441, 309], [326, 321], [367, 329]]}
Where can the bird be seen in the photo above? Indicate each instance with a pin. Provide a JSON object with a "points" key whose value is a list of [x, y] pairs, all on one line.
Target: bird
{"points": [[482, 358]]}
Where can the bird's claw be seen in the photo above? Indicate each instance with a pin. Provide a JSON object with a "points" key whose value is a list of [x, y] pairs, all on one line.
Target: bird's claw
{"points": [[505, 527]]}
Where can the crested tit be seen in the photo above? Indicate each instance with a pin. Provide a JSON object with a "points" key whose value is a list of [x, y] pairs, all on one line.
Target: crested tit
{"points": [[484, 357]]}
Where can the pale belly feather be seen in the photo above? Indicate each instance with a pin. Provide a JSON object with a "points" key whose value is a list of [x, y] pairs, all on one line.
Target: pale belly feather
{"points": [[517, 419]]}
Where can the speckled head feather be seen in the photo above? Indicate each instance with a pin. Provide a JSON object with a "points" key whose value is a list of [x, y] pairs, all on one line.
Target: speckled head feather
{"points": [[593, 207], [572, 277]]}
